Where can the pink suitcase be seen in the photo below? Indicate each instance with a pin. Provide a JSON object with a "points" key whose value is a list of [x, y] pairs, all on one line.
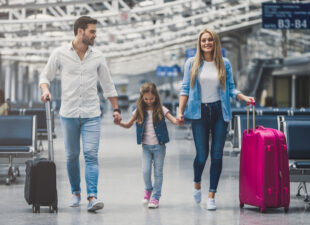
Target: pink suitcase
{"points": [[264, 168]]}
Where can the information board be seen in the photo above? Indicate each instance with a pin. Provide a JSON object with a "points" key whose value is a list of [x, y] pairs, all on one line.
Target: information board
{"points": [[286, 15], [167, 71]]}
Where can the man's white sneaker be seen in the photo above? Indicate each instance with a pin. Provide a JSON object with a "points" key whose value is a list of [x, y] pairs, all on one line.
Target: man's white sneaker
{"points": [[94, 205], [197, 195], [211, 204], [75, 201]]}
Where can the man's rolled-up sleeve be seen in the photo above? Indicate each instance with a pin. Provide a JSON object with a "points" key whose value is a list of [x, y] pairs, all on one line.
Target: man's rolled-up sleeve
{"points": [[50, 69], [106, 80]]}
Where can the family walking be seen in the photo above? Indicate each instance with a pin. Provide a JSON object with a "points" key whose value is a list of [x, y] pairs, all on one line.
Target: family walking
{"points": [[204, 100]]}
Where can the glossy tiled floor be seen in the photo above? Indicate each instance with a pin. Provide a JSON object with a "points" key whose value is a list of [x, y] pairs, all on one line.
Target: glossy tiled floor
{"points": [[121, 189]]}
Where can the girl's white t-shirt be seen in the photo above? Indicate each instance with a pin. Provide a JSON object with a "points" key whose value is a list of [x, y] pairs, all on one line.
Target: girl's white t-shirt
{"points": [[149, 135], [209, 83]]}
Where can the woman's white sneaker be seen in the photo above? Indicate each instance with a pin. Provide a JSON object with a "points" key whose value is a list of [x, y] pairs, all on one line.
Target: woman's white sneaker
{"points": [[197, 195], [211, 204]]}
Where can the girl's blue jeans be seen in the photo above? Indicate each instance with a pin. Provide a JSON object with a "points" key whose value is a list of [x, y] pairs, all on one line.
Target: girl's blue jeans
{"points": [[153, 155], [211, 122], [89, 130]]}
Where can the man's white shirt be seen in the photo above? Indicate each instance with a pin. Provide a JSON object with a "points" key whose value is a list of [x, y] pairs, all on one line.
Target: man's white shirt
{"points": [[79, 98]]}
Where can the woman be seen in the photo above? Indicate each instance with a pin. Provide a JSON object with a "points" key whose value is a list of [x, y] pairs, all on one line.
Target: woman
{"points": [[205, 99]]}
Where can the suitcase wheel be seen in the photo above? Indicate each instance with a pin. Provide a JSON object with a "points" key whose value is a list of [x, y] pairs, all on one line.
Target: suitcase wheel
{"points": [[16, 172], [241, 205], [285, 210], [53, 209], [7, 181], [35, 209], [262, 210]]}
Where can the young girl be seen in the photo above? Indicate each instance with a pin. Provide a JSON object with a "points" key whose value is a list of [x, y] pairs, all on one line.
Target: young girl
{"points": [[152, 133]]}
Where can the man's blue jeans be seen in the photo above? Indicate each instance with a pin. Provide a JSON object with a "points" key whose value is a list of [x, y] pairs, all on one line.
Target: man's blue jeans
{"points": [[89, 130], [211, 121], [153, 154]]}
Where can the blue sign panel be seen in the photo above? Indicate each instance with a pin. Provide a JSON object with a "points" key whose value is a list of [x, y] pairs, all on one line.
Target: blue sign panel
{"points": [[191, 52], [160, 71], [168, 71], [286, 15]]}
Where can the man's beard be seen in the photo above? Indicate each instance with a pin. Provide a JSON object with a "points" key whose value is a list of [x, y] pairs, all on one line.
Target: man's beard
{"points": [[87, 41]]}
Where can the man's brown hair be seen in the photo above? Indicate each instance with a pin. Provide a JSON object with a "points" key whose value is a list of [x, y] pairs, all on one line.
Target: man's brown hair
{"points": [[82, 23]]}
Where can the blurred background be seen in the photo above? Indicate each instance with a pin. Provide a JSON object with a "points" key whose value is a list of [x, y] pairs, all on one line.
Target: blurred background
{"points": [[149, 40]]}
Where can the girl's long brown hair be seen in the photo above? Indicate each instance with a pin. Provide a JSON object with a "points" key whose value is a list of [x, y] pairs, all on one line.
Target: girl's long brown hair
{"points": [[142, 107], [217, 58]]}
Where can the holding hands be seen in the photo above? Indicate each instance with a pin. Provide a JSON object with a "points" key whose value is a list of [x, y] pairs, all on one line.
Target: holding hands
{"points": [[117, 117], [180, 119]]}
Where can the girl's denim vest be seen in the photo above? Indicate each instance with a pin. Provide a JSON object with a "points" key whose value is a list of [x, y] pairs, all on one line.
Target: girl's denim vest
{"points": [[160, 129]]}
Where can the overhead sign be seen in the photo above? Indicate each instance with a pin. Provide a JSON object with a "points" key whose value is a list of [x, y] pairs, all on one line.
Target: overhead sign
{"points": [[190, 52], [286, 15], [168, 71]]}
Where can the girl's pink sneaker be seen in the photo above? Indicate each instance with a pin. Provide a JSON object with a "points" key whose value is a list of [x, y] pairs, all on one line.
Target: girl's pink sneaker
{"points": [[147, 196], [154, 203]]}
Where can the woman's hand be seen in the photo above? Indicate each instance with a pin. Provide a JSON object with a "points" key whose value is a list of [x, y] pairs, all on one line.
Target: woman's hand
{"points": [[247, 99]]}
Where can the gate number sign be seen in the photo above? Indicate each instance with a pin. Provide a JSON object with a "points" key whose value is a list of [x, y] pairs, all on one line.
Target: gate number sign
{"points": [[286, 15]]}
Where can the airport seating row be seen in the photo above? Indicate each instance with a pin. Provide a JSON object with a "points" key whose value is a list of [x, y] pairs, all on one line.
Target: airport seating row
{"points": [[19, 133]]}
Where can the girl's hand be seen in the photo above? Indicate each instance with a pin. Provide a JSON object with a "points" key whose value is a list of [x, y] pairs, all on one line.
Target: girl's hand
{"points": [[117, 117], [180, 119]]}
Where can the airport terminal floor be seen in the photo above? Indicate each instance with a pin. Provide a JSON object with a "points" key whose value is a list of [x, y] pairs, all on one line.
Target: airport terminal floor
{"points": [[121, 188]]}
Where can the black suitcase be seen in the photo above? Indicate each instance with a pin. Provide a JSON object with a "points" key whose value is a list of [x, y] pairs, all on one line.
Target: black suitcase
{"points": [[40, 185]]}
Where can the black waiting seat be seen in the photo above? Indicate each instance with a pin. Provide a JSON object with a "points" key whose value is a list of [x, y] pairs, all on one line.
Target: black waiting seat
{"points": [[302, 111], [17, 140], [297, 117], [275, 111], [298, 145], [41, 121]]}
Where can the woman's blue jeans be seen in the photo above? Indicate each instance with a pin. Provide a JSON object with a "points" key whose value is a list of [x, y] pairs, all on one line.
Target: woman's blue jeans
{"points": [[89, 130], [211, 121], [153, 154]]}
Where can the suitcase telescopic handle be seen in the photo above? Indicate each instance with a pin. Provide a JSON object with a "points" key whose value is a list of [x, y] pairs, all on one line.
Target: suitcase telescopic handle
{"points": [[49, 129], [252, 103]]}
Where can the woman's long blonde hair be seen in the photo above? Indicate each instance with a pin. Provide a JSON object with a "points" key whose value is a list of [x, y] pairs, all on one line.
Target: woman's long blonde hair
{"points": [[217, 58], [141, 106]]}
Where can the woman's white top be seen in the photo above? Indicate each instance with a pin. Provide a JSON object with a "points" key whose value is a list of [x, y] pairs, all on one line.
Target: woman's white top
{"points": [[209, 83]]}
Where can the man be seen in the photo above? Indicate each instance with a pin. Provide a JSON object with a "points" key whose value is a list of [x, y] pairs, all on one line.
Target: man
{"points": [[80, 67]]}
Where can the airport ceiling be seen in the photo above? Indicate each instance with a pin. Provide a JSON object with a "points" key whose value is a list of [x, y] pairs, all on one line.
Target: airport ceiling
{"points": [[129, 31]]}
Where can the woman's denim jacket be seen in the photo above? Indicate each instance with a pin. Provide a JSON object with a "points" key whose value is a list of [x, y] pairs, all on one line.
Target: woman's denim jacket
{"points": [[193, 106], [160, 128]]}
